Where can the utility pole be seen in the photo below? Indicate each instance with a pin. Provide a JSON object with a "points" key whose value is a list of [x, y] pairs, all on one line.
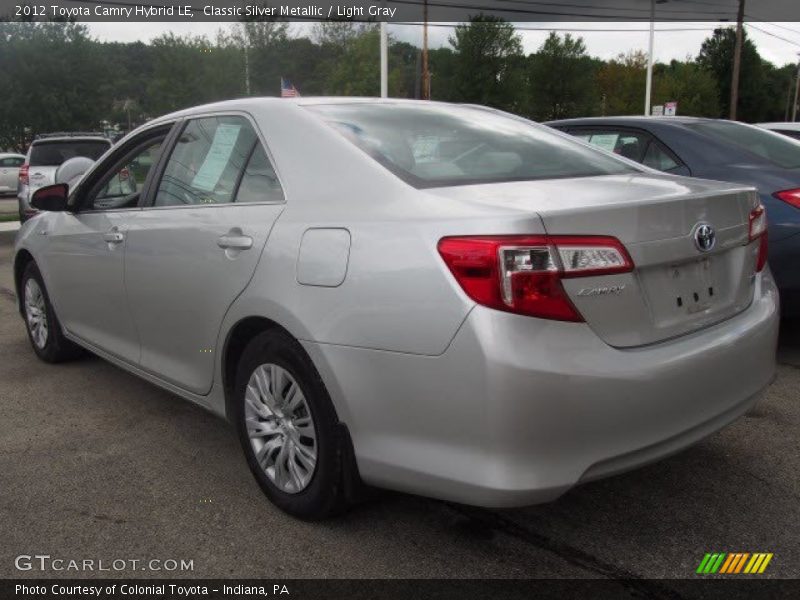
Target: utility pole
{"points": [[796, 91], [649, 84], [426, 76], [737, 61]]}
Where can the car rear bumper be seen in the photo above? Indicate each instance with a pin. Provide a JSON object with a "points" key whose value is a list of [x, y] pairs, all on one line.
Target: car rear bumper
{"points": [[517, 410]]}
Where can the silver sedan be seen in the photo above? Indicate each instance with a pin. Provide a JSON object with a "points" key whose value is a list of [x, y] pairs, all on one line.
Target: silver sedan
{"points": [[444, 300]]}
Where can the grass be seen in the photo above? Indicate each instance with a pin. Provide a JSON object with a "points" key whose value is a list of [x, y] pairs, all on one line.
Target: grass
{"points": [[9, 217]]}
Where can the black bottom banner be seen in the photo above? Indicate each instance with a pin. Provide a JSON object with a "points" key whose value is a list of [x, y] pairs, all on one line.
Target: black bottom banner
{"points": [[390, 589]]}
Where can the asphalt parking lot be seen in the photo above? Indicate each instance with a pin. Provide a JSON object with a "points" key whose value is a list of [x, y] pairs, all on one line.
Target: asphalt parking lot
{"points": [[97, 464]]}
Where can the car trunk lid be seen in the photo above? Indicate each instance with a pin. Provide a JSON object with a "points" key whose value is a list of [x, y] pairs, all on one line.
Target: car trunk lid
{"points": [[677, 286]]}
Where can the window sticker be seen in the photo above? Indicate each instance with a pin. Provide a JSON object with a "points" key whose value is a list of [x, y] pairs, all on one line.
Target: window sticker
{"points": [[606, 141], [216, 160]]}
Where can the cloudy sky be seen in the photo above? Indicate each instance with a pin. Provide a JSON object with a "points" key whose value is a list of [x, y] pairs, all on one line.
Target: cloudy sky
{"points": [[672, 40]]}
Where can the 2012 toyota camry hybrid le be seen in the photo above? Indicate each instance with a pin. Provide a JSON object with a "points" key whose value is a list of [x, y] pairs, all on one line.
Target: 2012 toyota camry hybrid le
{"points": [[444, 300]]}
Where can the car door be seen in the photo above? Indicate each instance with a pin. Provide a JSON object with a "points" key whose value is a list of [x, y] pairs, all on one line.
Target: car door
{"points": [[192, 252], [84, 256]]}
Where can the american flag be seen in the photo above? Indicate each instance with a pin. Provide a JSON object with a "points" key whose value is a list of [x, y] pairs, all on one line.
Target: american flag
{"points": [[288, 90]]}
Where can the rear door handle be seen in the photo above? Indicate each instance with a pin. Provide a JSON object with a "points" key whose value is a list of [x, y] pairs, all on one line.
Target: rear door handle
{"points": [[236, 242], [114, 237]]}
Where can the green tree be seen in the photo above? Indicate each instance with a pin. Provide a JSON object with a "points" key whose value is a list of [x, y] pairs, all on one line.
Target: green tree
{"points": [[693, 88], [716, 57], [55, 72], [561, 79], [621, 84], [489, 63]]}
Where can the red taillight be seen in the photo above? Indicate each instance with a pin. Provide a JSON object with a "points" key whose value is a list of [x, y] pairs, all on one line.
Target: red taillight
{"points": [[789, 196], [23, 174], [758, 230], [522, 274]]}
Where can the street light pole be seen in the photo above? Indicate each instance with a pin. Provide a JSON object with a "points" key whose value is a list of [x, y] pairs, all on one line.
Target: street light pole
{"points": [[796, 91], [649, 85], [426, 76], [384, 61]]}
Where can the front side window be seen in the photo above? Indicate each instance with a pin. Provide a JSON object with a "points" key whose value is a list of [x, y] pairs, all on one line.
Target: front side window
{"points": [[432, 145], [124, 184], [207, 164]]}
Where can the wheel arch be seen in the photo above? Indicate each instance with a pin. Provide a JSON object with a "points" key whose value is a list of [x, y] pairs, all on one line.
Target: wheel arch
{"points": [[21, 261]]}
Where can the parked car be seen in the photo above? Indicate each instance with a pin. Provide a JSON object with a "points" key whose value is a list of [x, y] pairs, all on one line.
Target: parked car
{"points": [[722, 150], [791, 130], [9, 172], [491, 326], [45, 154]]}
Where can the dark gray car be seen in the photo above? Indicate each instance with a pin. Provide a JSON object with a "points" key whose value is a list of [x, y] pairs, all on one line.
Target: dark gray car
{"points": [[722, 150]]}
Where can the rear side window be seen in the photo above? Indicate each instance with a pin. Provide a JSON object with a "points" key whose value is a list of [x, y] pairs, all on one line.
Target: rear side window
{"points": [[208, 165], [429, 145], [52, 154], [778, 149], [789, 133], [259, 181], [639, 146]]}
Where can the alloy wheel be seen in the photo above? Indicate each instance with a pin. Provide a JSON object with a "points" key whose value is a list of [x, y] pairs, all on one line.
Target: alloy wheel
{"points": [[36, 313], [281, 428]]}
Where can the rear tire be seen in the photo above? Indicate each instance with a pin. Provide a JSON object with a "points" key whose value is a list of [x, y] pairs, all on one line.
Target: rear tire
{"points": [[288, 428], [44, 330]]}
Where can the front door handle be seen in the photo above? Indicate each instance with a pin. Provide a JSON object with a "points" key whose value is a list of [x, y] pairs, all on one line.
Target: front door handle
{"points": [[235, 241], [114, 236]]}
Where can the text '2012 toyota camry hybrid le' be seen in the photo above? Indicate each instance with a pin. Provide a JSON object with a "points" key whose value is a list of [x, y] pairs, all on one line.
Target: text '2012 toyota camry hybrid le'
{"points": [[439, 299]]}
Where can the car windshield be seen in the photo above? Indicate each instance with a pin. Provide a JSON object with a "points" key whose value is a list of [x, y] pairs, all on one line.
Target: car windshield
{"points": [[774, 147], [52, 154], [434, 145]]}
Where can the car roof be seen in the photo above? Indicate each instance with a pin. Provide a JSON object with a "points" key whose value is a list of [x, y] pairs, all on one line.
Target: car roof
{"points": [[11, 155], [787, 126], [72, 138], [248, 104], [630, 120]]}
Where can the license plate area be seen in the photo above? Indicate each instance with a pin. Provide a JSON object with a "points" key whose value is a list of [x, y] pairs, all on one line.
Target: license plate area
{"points": [[695, 289]]}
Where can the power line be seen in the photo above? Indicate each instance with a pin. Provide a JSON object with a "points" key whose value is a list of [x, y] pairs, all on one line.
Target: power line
{"points": [[570, 29], [775, 35]]}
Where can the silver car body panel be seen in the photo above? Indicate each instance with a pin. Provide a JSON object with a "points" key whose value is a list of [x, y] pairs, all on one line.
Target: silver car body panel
{"points": [[441, 396]]}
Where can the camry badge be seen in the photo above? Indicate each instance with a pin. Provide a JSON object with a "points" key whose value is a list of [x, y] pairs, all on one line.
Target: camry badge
{"points": [[602, 291], [704, 237]]}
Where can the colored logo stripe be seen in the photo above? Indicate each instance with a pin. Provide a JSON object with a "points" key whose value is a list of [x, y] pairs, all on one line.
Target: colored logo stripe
{"points": [[734, 562]]}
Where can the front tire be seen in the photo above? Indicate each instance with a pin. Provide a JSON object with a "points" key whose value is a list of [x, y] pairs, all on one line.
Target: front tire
{"points": [[288, 428], [44, 329]]}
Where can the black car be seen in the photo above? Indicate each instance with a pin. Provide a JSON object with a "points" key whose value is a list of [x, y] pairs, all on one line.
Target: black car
{"points": [[722, 150]]}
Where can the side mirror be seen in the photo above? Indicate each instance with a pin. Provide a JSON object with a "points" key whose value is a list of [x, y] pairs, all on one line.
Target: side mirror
{"points": [[51, 197]]}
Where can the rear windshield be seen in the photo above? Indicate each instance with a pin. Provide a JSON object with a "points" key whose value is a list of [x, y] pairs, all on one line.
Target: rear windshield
{"points": [[429, 145], [52, 154], [778, 149]]}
